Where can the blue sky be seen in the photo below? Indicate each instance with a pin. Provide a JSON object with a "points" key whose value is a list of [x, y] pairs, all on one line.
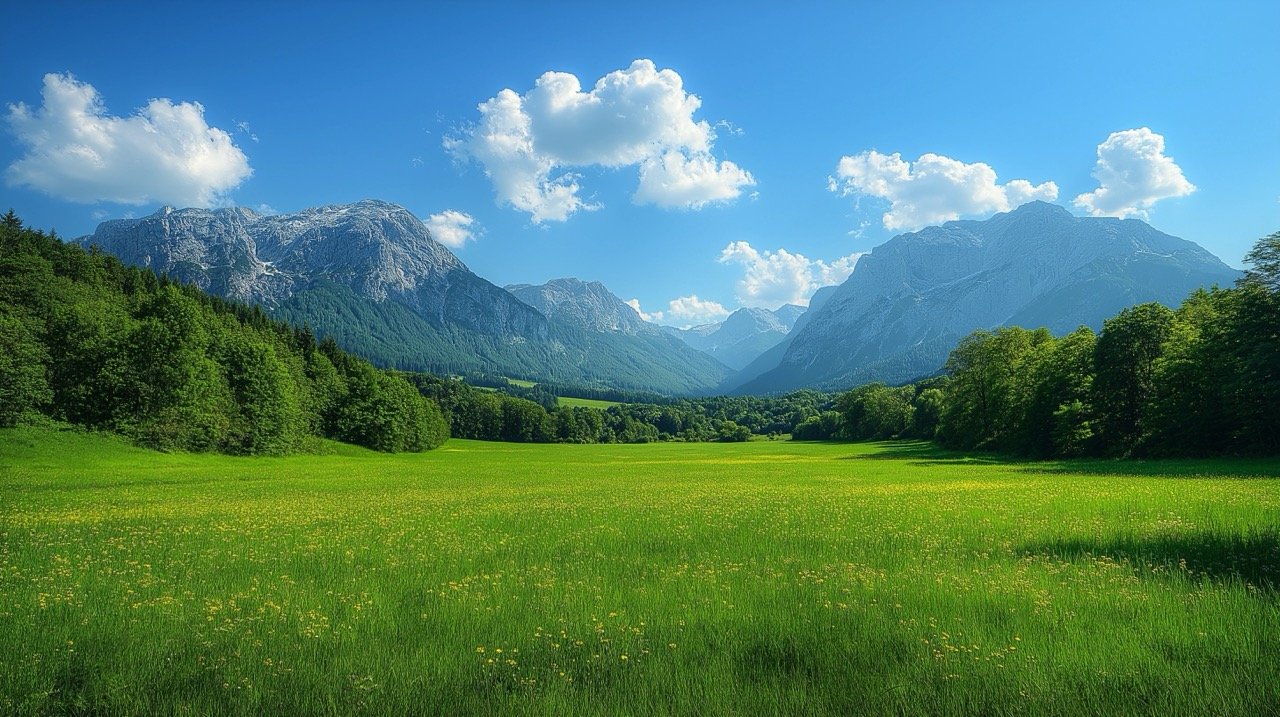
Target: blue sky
{"points": [[746, 163]]}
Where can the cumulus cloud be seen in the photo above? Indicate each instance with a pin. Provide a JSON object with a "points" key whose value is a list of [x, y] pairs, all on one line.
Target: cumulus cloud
{"points": [[165, 152], [1133, 174], [635, 304], [685, 311], [677, 180], [530, 144], [773, 278], [691, 310], [933, 189], [453, 228]]}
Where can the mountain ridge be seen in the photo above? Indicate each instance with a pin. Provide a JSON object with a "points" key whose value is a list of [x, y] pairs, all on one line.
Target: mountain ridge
{"points": [[419, 307], [911, 299], [586, 304], [744, 335]]}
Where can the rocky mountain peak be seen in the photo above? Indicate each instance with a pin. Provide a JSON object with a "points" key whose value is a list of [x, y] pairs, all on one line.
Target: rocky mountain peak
{"points": [[914, 297], [585, 304], [371, 276], [378, 250]]}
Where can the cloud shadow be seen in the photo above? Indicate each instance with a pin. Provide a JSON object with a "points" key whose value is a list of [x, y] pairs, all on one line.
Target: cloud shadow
{"points": [[1251, 558]]}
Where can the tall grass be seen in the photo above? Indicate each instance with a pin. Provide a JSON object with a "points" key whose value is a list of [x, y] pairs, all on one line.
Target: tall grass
{"points": [[753, 578]]}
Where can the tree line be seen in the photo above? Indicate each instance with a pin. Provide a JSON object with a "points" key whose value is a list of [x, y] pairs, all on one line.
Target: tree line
{"points": [[1199, 380], [510, 412], [87, 340]]}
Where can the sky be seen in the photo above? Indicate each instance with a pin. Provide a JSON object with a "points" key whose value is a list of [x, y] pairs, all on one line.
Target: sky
{"points": [[694, 157]]}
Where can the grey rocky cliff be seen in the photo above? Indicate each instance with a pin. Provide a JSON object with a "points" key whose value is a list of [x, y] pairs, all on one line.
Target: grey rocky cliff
{"points": [[911, 299], [586, 304], [380, 251], [370, 276]]}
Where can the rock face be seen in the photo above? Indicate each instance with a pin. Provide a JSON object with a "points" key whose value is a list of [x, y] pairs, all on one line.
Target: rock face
{"points": [[585, 304], [911, 300], [744, 335], [378, 250], [370, 275]]}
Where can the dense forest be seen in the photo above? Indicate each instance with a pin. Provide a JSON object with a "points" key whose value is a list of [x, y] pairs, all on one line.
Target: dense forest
{"points": [[532, 414], [1203, 379], [87, 340]]}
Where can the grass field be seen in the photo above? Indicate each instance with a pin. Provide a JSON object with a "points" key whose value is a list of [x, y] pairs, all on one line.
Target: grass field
{"points": [[751, 578], [588, 402]]}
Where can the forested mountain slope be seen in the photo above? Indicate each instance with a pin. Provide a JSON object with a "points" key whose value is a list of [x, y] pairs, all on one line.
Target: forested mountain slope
{"points": [[370, 275], [910, 301]]}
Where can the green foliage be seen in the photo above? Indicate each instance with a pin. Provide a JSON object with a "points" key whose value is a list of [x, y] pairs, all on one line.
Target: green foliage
{"points": [[928, 406], [987, 386], [491, 415], [87, 340], [269, 415], [1054, 415], [23, 385], [174, 395], [1124, 372], [1199, 381], [1265, 260], [524, 421], [730, 432], [873, 411]]}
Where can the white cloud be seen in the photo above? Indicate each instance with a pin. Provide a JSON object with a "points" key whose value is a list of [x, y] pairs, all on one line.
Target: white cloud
{"points": [[690, 310], [529, 144], [453, 228], [773, 278], [934, 189], [654, 317], [1133, 174], [164, 153], [676, 180]]}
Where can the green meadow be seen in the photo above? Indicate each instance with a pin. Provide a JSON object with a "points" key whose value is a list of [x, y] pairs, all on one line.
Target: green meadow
{"points": [[587, 402], [713, 579]]}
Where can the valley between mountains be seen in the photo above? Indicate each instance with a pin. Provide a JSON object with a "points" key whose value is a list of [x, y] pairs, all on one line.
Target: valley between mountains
{"points": [[371, 276]]}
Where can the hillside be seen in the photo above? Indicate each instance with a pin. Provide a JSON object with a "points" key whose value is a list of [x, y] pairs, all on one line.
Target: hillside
{"points": [[911, 299], [371, 275], [744, 335]]}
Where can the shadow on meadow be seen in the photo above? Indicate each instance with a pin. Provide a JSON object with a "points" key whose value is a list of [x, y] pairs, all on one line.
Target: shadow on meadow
{"points": [[1253, 558], [923, 451], [926, 453], [1264, 468]]}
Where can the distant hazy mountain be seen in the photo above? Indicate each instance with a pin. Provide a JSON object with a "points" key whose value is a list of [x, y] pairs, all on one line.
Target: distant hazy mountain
{"points": [[370, 275], [788, 314], [911, 300], [585, 304], [744, 335]]}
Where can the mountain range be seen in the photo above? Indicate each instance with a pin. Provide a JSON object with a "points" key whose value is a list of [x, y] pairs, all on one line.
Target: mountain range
{"points": [[743, 335], [912, 299], [585, 304], [371, 276]]}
